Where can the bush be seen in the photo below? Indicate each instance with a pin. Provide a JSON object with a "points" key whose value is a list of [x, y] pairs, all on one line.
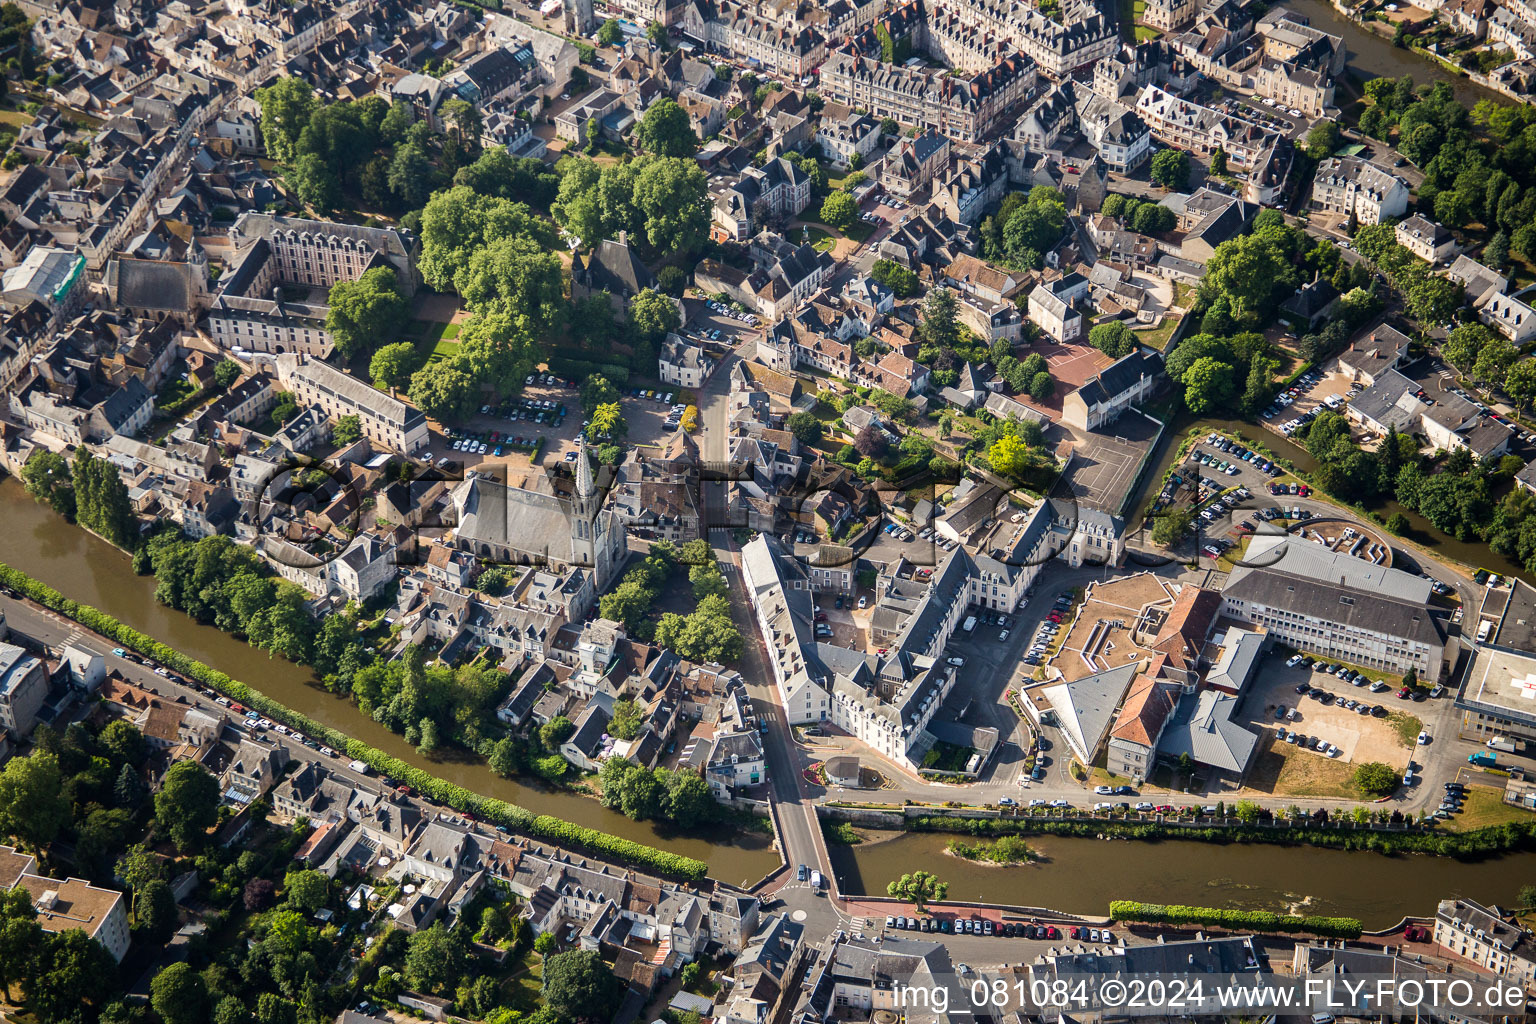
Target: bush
{"points": [[1236, 920], [518, 819]]}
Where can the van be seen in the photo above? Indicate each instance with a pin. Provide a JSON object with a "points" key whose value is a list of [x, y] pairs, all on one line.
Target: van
{"points": [[815, 879], [1482, 630], [970, 623]]}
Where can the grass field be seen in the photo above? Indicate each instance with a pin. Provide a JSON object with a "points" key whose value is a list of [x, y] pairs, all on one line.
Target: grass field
{"points": [[1408, 727], [1284, 770], [1157, 337], [820, 240], [1485, 806]]}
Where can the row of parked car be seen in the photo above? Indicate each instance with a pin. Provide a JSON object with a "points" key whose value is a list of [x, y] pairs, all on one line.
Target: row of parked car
{"points": [[986, 926], [1046, 634], [1229, 447]]}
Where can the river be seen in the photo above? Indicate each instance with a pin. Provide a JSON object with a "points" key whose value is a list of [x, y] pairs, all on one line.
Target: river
{"points": [[49, 548], [1372, 56], [1083, 875]]}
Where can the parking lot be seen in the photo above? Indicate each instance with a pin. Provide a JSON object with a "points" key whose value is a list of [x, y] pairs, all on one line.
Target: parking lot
{"points": [[712, 323], [508, 432], [1343, 733], [1215, 465], [1316, 390]]}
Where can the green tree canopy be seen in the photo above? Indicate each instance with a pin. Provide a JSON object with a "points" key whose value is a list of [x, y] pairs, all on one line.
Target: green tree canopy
{"points": [[187, 804], [365, 312], [664, 130]]}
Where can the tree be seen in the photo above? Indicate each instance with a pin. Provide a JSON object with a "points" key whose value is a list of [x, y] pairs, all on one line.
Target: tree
{"points": [[187, 804], [805, 428], [411, 176], [362, 313], [688, 800], [545, 944], [1008, 455], [1219, 162], [1496, 255], [347, 429], [1520, 382], [902, 281], [445, 390], [652, 315], [179, 994], [1171, 525], [1322, 140], [1376, 779], [919, 888], [870, 442], [1114, 339], [1041, 386], [434, 958], [609, 32], [101, 499], [596, 390], [608, 421], [839, 209], [1170, 169], [314, 182], [307, 890], [33, 807], [156, 911], [666, 131], [669, 194], [1208, 385], [286, 108], [940, 324], [259, 894], [556, 731], [392, 365], [577, 985], [226, 372], [46, 477]]}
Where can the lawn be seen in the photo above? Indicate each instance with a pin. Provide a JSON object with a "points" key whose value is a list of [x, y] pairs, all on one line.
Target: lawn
{"points": [[819, 239], [1284, 770], [1485, 806], [946, 757], [1157, 337], [1143, 34], [859, 230], [1408, 727]]}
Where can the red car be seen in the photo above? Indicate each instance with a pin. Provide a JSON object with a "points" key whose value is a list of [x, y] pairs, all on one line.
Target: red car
{"points": [[1052, 933], [1075, 932]]}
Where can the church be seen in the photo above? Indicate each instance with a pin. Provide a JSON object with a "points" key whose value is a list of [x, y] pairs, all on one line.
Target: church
{"points": [[529, 523]]}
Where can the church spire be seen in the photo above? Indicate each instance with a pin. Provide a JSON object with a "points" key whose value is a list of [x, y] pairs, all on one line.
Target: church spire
{"points": [[586, 487]]}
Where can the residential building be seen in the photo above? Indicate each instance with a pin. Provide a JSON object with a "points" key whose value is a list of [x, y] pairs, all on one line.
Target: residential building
{"points": [[23, 689], [1483, 935], [1353, 185], [1426, 239], [384, 419], [1126, 383]]}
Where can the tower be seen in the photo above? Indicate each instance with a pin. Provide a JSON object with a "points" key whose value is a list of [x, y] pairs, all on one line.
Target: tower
{"points": [[586, 518], [579, 17]]}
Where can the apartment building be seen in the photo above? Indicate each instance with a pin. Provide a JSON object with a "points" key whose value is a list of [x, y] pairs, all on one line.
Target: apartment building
{"points": [[1426, 239], [1051, 307], [963, 109], [1479, 934], [1203, 130], [73, 904], [1350, 184], [384, 419], [23, 687]]}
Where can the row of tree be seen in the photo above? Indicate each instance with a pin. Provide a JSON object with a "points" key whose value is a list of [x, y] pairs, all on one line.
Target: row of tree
{"points": [[90, 491]]}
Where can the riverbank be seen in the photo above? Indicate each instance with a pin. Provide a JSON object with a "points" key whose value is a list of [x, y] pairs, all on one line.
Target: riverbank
{"points": [[53, 551], [517, 819], [1082, 876]]}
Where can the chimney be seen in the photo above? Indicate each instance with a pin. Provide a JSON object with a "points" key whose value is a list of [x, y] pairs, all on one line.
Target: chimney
{"points": [[623, 237]]}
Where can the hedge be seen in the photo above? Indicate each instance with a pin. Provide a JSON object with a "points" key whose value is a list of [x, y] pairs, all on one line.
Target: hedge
{"points": [[1235, 920], [519, 819], [579, 369], [1494, 839]]}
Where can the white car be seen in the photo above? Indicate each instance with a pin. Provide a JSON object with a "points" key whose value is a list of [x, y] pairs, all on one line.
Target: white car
{"points": [[1423, 737], [1104, 790], [957, 661]]}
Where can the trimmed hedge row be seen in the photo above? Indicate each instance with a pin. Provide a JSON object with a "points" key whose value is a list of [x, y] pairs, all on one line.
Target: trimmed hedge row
{"points": [[579, 369], [1236, 920], [544, 827], [1494, 839]]}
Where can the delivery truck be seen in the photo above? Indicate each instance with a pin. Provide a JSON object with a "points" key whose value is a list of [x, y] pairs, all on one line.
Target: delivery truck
{"points": [[1483, 759], [1504, 743]]}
